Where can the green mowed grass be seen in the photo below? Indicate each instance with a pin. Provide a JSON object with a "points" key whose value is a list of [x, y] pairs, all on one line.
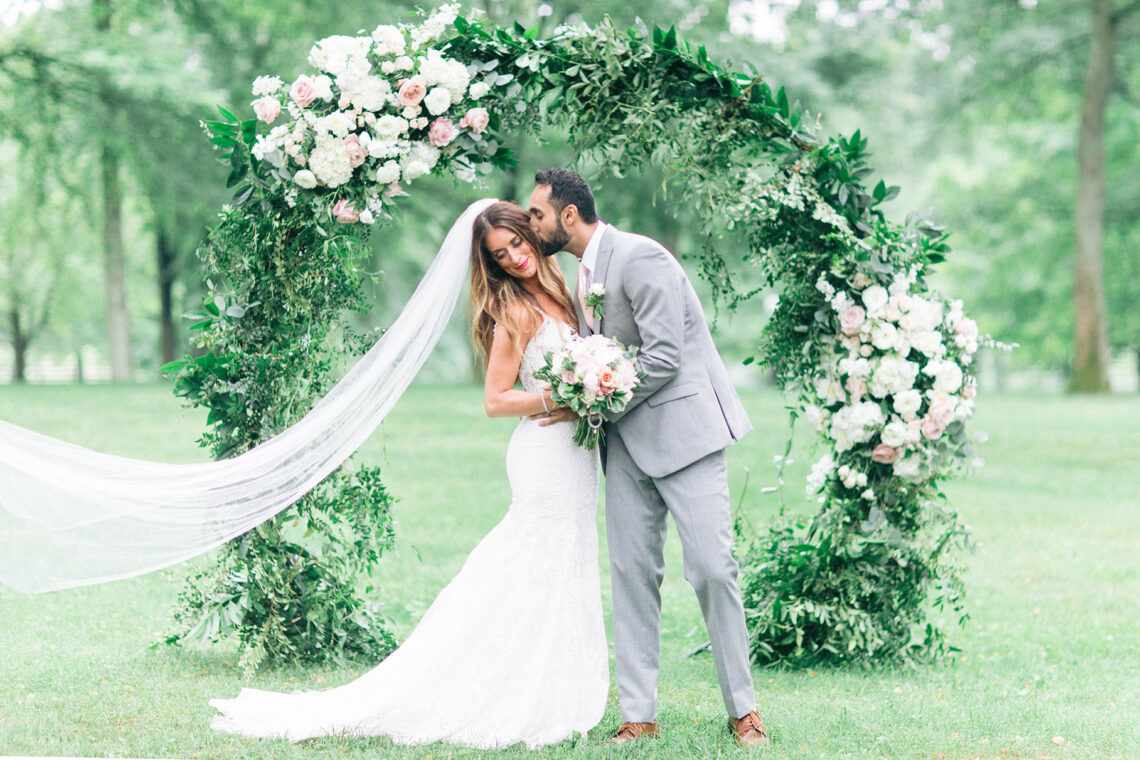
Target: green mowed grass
{"points": [[1049, 664]]}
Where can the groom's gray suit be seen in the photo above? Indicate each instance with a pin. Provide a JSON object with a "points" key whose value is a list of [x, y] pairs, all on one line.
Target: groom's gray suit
{"points": [[664, 453]]}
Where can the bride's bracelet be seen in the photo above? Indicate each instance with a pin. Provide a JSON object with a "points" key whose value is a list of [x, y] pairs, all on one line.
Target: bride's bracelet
{"points": [[542, 397]]}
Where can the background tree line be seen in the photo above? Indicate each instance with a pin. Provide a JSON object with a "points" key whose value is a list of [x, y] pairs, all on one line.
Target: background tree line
{"points": [[1015, 120]]}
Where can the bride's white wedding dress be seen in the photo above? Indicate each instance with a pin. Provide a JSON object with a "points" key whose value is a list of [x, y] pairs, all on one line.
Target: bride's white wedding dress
{"points": [[513, 649]]}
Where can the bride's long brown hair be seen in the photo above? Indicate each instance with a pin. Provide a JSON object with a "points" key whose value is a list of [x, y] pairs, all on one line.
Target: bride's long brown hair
{"points": [[496, 295]]}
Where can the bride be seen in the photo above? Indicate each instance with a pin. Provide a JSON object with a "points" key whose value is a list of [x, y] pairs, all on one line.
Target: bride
{"points": [[513, 649]]}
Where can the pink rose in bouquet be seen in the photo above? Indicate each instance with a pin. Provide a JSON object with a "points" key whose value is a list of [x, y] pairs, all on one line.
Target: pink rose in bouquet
{"points": [[303, 91]]}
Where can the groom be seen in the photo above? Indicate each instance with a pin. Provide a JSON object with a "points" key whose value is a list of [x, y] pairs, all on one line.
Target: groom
{"points": [[664, 452]]}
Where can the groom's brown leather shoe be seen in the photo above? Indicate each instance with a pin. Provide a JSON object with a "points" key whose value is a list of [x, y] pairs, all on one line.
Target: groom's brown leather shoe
{"points": [[749, 730], [627, 732]]}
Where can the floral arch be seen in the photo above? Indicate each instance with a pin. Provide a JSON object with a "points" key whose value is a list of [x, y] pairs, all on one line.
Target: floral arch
{"points": [[879, 363]]}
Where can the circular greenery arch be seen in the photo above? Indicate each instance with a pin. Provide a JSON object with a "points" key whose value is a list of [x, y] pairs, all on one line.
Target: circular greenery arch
{"points": [[858, 341]]}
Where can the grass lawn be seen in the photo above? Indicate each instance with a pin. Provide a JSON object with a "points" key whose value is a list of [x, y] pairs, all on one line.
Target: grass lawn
{"points": [[1049, 664]]}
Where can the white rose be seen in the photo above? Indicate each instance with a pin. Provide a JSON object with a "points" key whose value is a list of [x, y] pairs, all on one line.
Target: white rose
{"points": [[366, 217], [404, 63], [305, 179], [907, 403], [390, 127], [894, 434], [884, 336], [437, 101], [875, 298], [388, 173]]}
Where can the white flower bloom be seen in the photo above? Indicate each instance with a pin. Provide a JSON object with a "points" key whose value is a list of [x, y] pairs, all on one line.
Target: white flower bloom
{"points": [[389, 40], [874, 299], [388, 173], [338, 123], [894, 434], [390, 127], [266, 86], [829, 390], [305, 179], [908, 467], [433, 68], [322, 87], [816, 416], [419, 160], [437, 101], [329, 161], [921, 315], [928, 342], [338, 53], [856, 424], [366, 92], [478, 90], [366, 217], [404, 63], [907, 403], [820, 472], [857, 367], [947, 376], [892, 376], [884, 336], [385, 148]]}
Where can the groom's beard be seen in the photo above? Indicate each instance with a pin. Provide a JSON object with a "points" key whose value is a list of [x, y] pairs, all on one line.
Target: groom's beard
{"points": [[556, 242]]}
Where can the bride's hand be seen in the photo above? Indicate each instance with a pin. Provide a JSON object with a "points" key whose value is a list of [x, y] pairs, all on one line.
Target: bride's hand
{"points": [[561, 414]]}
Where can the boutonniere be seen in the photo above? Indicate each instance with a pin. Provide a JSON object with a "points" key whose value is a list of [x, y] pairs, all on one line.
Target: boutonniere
{"points": [[595, 300]]}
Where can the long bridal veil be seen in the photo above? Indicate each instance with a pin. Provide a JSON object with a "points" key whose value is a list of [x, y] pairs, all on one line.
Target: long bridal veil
{"points": [[70, 516]]}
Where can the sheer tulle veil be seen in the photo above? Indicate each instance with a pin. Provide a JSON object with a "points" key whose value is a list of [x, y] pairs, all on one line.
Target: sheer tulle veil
{"points": [[70, 516]]}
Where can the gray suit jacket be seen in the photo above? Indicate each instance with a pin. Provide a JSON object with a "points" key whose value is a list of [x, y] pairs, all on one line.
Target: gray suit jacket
{"points": [[685, 407]]}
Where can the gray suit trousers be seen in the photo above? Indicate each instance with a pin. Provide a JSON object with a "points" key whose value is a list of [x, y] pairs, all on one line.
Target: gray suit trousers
{"points": [[636, 505]]}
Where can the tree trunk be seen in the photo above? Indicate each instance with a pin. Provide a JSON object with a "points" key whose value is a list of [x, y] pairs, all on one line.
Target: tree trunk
{"points": [[19, 347], [1090, 358], [118, 320], [166, 268]]}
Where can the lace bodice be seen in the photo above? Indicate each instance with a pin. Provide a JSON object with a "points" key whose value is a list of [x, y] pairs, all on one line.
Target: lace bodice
{"points": [[552, 334]]}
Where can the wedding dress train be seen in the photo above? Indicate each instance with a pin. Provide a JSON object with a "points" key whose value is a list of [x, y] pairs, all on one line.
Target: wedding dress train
{"points": [[513, 649]]}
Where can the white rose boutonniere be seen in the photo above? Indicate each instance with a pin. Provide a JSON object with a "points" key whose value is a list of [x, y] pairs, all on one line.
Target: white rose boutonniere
{"points": [[595, 300]]}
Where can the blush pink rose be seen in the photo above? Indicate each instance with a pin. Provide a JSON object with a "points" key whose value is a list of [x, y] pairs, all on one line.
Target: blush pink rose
{"points": [[412, 91], [356, 152], [884, 454], [942, 411], [969, 392], [267, 109], [851, 319], [856, 386], [476, 120], [442, 132], [345, 212], [303, 91], [931, 428]]}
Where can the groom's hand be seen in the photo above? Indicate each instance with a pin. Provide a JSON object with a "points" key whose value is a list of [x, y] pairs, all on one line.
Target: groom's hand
{"points": [[561, 414]]}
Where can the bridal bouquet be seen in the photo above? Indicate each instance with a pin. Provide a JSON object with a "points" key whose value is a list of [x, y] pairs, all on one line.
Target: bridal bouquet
{"points": [[592, 375]]}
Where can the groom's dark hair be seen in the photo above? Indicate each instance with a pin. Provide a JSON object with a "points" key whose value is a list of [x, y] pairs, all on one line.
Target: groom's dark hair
{"points": [[567, 188]]}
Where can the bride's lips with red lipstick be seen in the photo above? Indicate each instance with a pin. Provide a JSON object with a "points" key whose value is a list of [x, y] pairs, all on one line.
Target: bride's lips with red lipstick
{"points": [[525, 263]]}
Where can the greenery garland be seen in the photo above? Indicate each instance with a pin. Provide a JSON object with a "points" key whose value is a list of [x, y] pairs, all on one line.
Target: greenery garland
{"points": [[878, 362]]}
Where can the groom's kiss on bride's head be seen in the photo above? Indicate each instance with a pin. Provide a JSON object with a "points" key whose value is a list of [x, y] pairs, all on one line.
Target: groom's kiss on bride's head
{"points": [[562, 211]]}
